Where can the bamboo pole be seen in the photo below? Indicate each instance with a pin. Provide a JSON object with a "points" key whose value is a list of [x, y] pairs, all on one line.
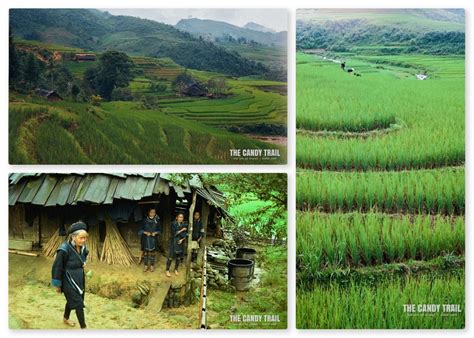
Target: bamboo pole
{"points": [[23, 253], [203, 302]]}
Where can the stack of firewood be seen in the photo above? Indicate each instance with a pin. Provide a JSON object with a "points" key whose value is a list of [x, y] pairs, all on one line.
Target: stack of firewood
{"points": [[115, 250], [93, 244], [50, 248]]}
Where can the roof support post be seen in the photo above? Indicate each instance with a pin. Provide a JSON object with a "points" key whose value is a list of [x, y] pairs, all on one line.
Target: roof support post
{"points": [[189, 249], [204, 220]]}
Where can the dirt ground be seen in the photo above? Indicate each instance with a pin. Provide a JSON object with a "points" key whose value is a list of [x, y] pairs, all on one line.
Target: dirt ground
{"points": [[34, 304]]}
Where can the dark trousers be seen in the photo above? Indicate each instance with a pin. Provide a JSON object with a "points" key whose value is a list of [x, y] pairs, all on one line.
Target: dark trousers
{"points": [[149, 257], [79, 314], [176, 264]]}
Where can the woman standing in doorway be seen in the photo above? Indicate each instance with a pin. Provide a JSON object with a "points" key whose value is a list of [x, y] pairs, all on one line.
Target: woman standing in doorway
{"points": [[149, 232], [178, 236]]}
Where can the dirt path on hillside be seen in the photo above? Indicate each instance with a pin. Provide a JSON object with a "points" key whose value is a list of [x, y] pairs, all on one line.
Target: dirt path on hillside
{"points": [[277, 140]]}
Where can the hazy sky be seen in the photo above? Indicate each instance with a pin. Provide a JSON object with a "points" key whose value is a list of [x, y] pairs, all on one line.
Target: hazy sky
{"points": [[276, 19]]}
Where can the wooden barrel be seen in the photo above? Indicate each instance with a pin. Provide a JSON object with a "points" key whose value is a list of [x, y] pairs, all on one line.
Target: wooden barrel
{"points": [[240, 273]]}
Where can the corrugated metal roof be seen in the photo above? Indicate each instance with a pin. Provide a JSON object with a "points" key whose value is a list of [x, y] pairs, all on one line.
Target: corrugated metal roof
{"points": [[100, 188], [60, 192], [14, 178], [30, 189], [14, 192], [45, 190]]}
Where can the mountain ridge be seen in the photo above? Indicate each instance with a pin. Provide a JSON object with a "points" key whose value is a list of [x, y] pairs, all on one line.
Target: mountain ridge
{"points": [[100, 31]]}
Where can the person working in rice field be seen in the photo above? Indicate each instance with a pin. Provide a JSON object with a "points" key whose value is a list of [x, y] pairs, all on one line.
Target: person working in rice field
{"points": [[198, 232], [68, 272], [149, 232], [176, 249]]}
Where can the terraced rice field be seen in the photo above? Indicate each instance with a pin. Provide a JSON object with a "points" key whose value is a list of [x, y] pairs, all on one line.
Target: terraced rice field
{"points": [[65, 132], [434, 191], [249, 101], [380, 191], [192, 130], [163, 68], [246, 106], [364, 239], [359, 306], [430, 116]]}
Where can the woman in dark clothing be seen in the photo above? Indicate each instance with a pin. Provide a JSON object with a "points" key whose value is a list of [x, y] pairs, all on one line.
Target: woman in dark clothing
{"points": [[68, 272], [198, 229], [178, 236], [149, 232], [198, 234]]}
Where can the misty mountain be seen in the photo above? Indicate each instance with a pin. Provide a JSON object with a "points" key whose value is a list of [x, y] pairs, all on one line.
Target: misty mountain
{"points": [[211, 29]]}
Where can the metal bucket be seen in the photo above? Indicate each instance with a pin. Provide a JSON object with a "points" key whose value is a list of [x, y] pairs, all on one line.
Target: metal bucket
{"points": [[240, 273]]}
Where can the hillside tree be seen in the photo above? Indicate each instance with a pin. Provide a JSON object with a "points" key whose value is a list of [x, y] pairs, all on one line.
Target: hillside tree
{"points": [[114, 71]]}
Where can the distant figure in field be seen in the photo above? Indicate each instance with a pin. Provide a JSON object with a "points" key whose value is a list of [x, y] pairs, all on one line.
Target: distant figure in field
{"points": [[349, 70]]}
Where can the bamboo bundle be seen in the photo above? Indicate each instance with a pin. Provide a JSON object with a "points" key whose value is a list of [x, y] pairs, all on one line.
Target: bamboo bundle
{"points": [[49, 249], [115, 250], [93, 244]]}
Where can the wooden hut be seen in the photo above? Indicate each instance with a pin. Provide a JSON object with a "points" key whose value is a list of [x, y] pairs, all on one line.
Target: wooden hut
{"points": [[41, 206], [49, 95], [85, 57], [195, 89]]}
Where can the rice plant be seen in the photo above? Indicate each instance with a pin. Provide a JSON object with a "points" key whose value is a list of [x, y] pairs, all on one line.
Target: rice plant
{"points": [[355, 239], [364, 307], [438, 191]]}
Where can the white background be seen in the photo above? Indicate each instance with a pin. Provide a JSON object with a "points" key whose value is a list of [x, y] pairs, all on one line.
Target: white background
{"points": [[291, 6]]}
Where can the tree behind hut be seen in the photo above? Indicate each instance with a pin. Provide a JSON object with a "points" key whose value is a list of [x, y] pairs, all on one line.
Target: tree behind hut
{"points": [[182, 81], [217, 86], [114, 71]]}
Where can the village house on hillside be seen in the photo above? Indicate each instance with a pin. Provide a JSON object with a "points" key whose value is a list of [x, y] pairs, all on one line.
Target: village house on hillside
{"points": [[50, 95], [195, 89], [85, 57]]}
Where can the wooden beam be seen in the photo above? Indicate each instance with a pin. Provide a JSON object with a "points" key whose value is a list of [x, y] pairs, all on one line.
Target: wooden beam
{"points": [[168, 218], [23, 253], [204, 220], [149, 202], [189, 251]]}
